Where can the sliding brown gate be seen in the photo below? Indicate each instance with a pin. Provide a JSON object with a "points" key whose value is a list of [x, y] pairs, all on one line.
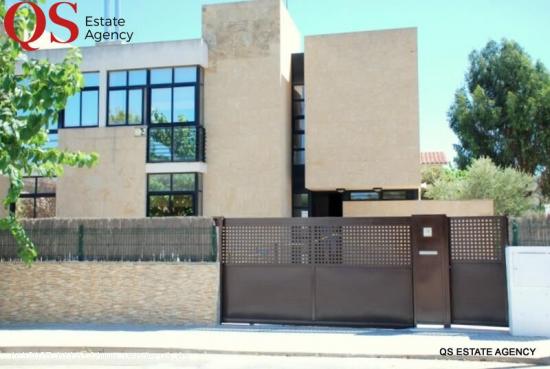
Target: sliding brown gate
{"points": [[359, 271], [346, 271]]}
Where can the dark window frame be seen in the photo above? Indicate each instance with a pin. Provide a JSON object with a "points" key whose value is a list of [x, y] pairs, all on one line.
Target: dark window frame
{"points": [[197, 124], [298, 167], [146, 109], [127, 88], [410, 195], [61, 122], [173, 85], [199, 144], [34, 195], [296, 131], [196, 194]]}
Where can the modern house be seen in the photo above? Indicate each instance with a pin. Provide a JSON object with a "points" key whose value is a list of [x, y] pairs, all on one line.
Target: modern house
{"points": [[252, 120]]}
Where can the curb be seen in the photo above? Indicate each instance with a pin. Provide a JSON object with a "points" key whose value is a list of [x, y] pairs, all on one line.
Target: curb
{"points": [[157, 350]]}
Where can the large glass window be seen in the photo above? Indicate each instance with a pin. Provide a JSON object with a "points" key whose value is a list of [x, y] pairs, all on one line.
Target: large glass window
{"points": [[37, 199], [183, 144], [168, 101], [160, 144], [82, 109], [161, 105], [126, 96], [174, 95], [174, 194], [175, 132]]}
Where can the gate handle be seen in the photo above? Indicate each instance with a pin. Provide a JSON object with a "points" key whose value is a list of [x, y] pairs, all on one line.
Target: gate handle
{"points": [[428, 252]]}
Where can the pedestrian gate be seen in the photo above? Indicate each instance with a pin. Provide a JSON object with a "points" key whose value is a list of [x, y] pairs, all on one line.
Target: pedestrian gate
{"points": [[391, 272]]}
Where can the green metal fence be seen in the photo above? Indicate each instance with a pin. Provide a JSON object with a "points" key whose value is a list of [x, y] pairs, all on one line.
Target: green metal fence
{"points": [[167, 239], [530, 231]]}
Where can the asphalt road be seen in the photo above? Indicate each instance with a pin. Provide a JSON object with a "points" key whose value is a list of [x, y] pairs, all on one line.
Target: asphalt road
{"points": [[209, 361]]}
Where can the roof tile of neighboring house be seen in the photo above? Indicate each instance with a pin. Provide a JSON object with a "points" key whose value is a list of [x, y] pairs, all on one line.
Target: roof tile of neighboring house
{"points": [[433, 157]]}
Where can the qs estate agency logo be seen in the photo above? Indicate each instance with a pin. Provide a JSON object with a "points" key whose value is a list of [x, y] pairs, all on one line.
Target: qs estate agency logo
{"points": [[40, 27]]}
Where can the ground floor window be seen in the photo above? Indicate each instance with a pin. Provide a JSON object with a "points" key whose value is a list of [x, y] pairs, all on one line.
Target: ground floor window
{"points": [[174, 194], [37, 199], [381, 195]]}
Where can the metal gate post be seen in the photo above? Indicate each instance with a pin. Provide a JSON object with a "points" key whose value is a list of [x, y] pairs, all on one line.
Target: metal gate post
{"points": [[219, 223]]}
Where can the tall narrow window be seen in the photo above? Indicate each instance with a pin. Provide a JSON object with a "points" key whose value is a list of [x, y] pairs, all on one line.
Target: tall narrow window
{"points": [[174, 194], [82, 109], [301, 196], [298, 129], [126, 96], [175, 132]]}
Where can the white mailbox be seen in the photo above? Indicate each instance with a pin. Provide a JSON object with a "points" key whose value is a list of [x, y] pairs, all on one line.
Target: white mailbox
{"points": [[528, 274]]}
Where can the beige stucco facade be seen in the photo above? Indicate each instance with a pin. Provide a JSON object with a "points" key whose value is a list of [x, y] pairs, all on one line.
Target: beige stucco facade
{"points": [[245, 52], [247, 108], [362, 110], [408, 208], [115, 187]]}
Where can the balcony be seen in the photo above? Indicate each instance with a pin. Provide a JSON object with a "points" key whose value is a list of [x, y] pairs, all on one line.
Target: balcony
{"points": [[176, 144]]}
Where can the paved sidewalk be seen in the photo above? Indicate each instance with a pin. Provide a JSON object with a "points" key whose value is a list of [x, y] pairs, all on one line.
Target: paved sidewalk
{"points": [[421, 343]]}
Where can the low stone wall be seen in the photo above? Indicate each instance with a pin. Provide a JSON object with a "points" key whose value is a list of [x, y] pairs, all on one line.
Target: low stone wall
{"points": [[109, 292]]}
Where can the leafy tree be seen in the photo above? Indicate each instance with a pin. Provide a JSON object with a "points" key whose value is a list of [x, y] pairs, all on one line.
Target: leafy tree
{"points": [[503, 112], [510, 189], [544, 185], [431, 173], [29, 99]]}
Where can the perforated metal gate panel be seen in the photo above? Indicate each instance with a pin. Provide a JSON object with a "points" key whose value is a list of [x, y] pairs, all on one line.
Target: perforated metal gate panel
{"points": [[354, 271], [478, 270], [476, 239], [381, 245], [354, 244]]}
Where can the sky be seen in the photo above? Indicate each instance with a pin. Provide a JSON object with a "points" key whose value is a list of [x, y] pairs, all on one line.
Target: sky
{"points": [[448, 31]]}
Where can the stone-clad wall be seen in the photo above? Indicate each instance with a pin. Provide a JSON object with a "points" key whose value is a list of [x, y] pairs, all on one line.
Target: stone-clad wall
{"points": [[248, 108], [109, 292]]}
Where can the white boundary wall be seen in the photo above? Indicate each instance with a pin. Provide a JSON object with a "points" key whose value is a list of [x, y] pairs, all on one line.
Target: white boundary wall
{"points": [[528, 274]]}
